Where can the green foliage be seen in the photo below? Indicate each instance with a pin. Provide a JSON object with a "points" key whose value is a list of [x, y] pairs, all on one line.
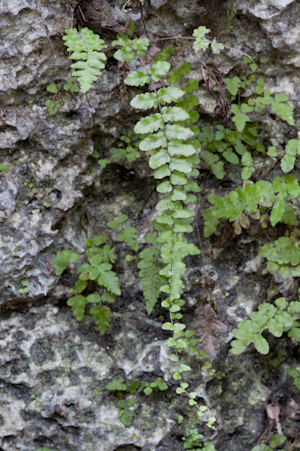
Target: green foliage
{"points": [[98, 268], [276, 440], [159, 384], [128, 234], [126, 150], [129, 48], [128, 406], [150, 266], [53, 106], [71, 86], [25, 286], [202, 43], [260, 102], [171, 143], [296, 375], [229, 145], [254, 196], [283, 257], [3, 168], [62, 260], [126, 415], [276, 319], [86, 47], [193, 441]]}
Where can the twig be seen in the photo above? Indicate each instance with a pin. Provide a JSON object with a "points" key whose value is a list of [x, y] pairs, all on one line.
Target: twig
{"points": [[143, 19]]}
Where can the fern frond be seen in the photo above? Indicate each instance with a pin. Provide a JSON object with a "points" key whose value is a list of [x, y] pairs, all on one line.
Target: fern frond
{"points": [[86, 46], [151, 280], [101, 316], [262, 193]]}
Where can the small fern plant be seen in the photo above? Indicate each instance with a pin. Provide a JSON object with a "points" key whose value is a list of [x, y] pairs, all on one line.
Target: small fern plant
{"points": [[86, 47], [101, 256], [169, 139]]}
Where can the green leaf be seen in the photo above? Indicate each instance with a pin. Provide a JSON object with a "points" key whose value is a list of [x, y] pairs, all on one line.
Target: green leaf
{"points": [[177, 178], [292, 186], [168, 95], [159, 159], [176, 131], [293, 147], [233, 85], [164, 187], [144, 101], [149, 124], [180, 149], [101, 316], [62, 260], [174, 114], [246, 173], [287, 163], [180, 164], [162, 172], [153, 141], [3, 168], [284, 111], [240, 120], [78, 304], [108, 297], [52, 88], [129, 235], [216, 47], [159, 70], [183, 368], [218, 170], [137, 78], [117, 385], [277, 440], [277, 212], [231, 157], [261, 344], [289, 216]]}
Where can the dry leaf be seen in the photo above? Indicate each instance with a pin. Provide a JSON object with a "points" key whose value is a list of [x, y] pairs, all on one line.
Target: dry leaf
{"points": [[293, 406], [273, 412], [206, 324], [254, 214], [264, 220], [241, 222]]}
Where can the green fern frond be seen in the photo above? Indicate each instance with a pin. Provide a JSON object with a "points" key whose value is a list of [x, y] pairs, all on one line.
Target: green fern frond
{"points": [[86, 47], [101, 316], [151, 280]]}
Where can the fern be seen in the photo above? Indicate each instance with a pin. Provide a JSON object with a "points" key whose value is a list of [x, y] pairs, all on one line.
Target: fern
{"points": [[101, 316], [62, 260], [276, 440], [283, 257], [262, 194], [277, 320], [129, 235], [230, 145], [86, 47], [150, 266], [99, 271]]}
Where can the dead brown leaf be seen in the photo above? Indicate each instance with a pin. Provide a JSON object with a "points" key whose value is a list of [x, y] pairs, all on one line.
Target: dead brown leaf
{"points": [[206, 325], [273, 412]]}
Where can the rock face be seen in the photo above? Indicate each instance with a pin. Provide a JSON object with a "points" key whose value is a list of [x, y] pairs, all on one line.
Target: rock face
{"points": [[55, 196]]}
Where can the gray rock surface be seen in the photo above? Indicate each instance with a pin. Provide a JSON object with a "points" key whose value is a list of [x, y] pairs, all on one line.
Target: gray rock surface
{"points": [[55, 195]]}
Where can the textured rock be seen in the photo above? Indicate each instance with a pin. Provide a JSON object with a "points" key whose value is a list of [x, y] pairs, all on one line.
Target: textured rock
{"points": [[55, 195]]}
